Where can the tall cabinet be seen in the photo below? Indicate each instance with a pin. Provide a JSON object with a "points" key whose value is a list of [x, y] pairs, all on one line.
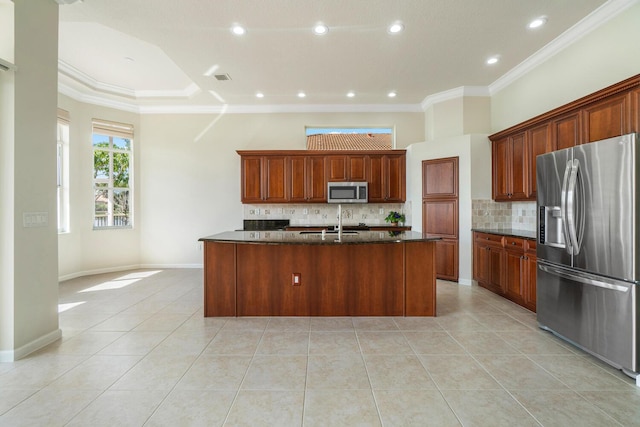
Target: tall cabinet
{"points": [[440, 212]]}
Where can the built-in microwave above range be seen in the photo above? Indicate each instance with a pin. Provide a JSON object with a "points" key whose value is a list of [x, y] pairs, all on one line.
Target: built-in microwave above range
{"points": [[348, 192]]}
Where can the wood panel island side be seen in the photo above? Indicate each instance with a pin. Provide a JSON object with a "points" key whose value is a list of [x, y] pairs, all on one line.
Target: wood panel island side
{"points": [[293, 273]]}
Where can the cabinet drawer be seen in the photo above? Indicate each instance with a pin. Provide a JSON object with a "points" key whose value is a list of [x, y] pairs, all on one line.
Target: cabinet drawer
{"points": [[495, 239], [514, 243]]}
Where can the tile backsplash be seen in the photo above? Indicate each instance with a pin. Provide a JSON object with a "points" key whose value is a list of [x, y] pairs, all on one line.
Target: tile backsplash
{"points": [[326, 214], [504, 215]]}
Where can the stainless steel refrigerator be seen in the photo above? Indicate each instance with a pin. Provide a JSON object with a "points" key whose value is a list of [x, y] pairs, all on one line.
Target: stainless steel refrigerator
{"points": [[589, 248]]}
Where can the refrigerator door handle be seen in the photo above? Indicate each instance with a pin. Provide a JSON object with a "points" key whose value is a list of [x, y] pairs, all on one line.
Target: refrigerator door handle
{"points": [[589, 279], [571, 207], [563, 205]]}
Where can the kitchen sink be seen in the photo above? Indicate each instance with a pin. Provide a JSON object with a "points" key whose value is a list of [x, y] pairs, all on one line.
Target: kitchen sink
{"points": [[328, 232]]}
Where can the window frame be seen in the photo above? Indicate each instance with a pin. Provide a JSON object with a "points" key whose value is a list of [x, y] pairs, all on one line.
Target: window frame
{"points": [[63, 128], [112, 130]]}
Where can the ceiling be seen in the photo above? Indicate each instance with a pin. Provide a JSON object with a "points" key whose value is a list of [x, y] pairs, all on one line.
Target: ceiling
{"points": [[160, 55]]}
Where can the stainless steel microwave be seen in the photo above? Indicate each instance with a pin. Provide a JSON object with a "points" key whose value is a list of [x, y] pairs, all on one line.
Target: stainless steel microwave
{"points": [[347, 192]]}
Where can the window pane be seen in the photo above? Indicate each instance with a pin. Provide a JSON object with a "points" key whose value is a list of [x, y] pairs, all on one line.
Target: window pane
{"points": [[101, 197], [121, 170], [120, 207], [100, 140], [100, 164], [121, 143]]}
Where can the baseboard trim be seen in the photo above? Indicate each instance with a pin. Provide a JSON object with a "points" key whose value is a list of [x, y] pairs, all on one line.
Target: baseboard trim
{"points": [[465, 282], [35, 345], [123, 268]]}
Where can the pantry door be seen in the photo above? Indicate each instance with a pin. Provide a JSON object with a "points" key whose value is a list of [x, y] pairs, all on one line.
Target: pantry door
{"points": [[440, 212]]}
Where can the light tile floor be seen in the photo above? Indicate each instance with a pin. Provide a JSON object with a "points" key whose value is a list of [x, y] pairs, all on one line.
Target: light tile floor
{"points": [[136, 350]]}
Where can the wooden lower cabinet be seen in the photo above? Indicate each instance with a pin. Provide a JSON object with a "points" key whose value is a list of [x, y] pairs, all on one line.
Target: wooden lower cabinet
{"points": [[506, 266], [370, 279]]}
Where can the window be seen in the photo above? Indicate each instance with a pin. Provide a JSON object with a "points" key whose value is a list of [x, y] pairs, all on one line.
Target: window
{"points": [[62, 171], [349, 138], [112, 174]]}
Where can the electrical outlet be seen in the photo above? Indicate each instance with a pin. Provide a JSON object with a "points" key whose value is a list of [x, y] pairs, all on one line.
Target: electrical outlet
{"points": [[199, 246], [305, 211], [296, 279], [381, 211]]}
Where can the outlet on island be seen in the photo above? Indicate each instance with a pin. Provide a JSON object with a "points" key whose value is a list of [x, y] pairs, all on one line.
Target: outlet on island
{"points": [[296, 279]]}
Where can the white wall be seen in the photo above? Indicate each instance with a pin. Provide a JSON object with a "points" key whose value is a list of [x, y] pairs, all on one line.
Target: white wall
{"points": [[29, 101], [83, 250], [607, 55]]}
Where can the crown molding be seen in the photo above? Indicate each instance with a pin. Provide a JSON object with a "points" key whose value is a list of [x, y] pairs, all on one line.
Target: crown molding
{"points": [[284, 108], [595, 19], [458, 92], [98, 86]]}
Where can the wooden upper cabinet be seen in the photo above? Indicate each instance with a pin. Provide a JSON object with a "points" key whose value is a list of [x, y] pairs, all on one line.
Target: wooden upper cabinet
{"points": [[607, 113], [440, 178], [336, 168], [566, 131], [280, 176], [387, 178], [276, 180], [357, 168], [538, 142], [394, 167], [607, 118], [307, 181], [264, 179], [510, 178], [251, 179]]}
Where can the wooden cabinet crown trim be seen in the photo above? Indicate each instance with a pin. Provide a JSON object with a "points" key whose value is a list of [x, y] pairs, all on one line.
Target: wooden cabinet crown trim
{"points": [[619, 87], [316, 152]]}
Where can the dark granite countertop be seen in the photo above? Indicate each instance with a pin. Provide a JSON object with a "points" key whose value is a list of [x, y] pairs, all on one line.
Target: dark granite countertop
{"points": [[525, 234], [310, 238], [347, 227]]}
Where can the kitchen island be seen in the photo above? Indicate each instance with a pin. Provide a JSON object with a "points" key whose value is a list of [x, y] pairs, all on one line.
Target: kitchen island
{"points": [[298, 273]]}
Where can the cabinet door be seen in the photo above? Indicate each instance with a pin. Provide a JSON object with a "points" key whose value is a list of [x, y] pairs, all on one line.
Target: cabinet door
{"points": [[298, 181], [482, 263], [496, 283], [440, 218], [447, 259], [376, 193], [356, 168], [336, 168], [440, 178], [276, 181], [538, 142], [395, 176], [565, 131], [514, 276], [530, 282], [607, 118], [519, 172], [251, 171], [500, 175], [315, 178]]}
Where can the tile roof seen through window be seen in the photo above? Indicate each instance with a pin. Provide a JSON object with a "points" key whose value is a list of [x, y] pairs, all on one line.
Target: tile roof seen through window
{"points": [[349, 141]]}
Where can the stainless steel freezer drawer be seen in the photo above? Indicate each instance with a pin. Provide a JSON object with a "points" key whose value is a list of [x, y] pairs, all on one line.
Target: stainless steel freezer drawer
{"points": [[596, 313]]}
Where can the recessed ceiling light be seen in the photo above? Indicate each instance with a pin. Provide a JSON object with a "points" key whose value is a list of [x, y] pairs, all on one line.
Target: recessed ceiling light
{"points": [[301, 94], [538, 22], [320, 29], [493, 60], [392, 94], [396, 27], [259, 95], [351, 94], [238, 30]]}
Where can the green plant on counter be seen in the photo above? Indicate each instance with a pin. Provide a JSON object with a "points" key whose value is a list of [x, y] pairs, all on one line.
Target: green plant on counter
{"points": [[394, 217]]}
